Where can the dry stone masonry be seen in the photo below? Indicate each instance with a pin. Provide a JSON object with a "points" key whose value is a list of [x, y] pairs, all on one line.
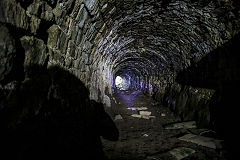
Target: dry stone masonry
{"points": [[151, 41]]}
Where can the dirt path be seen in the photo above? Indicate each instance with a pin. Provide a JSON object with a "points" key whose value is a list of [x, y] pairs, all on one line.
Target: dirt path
{"points": [[143, 138]]}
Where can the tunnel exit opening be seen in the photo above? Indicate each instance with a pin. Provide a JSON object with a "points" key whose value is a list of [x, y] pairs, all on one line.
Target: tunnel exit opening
{"points": [[122, 83]]}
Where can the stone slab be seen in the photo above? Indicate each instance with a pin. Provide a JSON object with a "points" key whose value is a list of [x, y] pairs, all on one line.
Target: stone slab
{"points": [[182, 125], [181, 152], [201, 140], [144, 113]]}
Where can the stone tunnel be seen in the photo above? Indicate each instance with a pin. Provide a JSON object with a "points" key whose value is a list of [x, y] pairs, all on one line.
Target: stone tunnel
{"points": [[143, 65]]}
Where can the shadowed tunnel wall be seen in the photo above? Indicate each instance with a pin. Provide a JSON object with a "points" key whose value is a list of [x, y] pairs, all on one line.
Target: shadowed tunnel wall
{"points": [[220, 70]]}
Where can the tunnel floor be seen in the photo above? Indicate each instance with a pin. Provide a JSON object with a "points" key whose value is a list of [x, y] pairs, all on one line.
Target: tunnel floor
{"points": [[147, 138]]}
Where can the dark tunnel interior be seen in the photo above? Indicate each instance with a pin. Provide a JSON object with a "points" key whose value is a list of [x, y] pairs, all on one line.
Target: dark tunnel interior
{"points": [[119, 79]]}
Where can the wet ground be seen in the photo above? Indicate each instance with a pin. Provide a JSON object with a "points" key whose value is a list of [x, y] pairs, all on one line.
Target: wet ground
{"points": [[145, 138]]}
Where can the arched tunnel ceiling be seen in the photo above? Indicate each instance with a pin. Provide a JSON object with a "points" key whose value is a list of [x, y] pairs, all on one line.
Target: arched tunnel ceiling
{"points": [[96, 39], [168, 36], [160, 38]]}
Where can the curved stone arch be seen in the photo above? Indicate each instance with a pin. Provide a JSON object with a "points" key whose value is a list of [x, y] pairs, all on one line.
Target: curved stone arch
{"points": [[87, 36]]}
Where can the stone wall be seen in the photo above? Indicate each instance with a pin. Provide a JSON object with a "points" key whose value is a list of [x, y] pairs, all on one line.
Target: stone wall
{"points": [[97, 39], [57, 33], [220, 71], [189, 103], [207, 90]]}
